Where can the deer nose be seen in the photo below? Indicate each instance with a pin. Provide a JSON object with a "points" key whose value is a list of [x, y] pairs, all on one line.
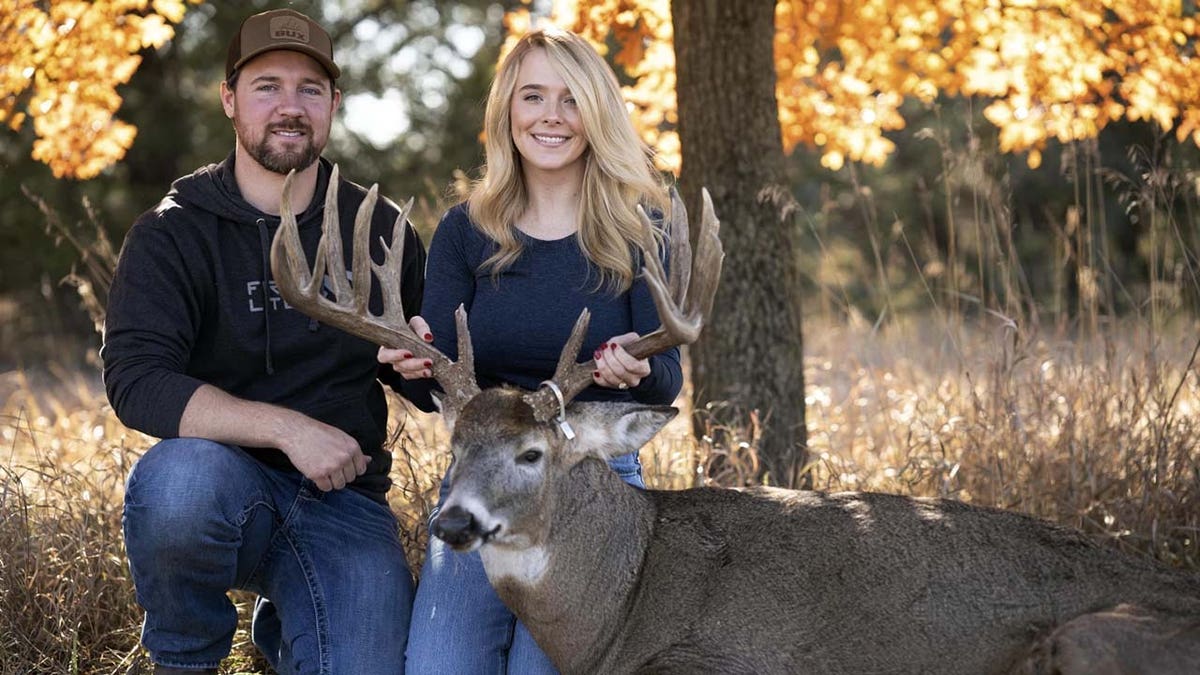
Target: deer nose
{"points": [[456, 526]]}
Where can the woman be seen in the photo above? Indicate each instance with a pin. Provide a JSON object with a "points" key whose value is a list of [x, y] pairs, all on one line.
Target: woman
{"points": [[550, 228]]}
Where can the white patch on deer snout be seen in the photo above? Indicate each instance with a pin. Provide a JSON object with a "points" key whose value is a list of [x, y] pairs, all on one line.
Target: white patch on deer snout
{"points": [[487, 523], [524, 566]]}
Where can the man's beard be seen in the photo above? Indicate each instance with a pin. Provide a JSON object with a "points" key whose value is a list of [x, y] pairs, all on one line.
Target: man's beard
{"points": [[283, 161]]}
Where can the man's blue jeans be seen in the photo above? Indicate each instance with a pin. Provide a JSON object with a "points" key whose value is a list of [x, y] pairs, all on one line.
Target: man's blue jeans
{"points": [[459, 624], [202, 518]]}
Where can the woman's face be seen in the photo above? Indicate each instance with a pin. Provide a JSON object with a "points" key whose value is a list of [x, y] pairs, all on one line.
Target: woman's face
{"points": [[546, 127]]}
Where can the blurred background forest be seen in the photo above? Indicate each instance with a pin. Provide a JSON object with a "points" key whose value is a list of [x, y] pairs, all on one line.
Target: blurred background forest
{"points": [[996, 265], [415, 78]]}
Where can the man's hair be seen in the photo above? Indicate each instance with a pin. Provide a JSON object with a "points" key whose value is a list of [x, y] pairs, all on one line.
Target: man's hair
{"points": [[279, 29], [619, 171]]}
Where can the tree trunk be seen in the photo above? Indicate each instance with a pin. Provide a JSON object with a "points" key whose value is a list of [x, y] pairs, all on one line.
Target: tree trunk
{"points": [[748, 362]]}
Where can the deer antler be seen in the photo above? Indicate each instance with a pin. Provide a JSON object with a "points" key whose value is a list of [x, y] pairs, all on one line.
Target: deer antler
{"points": [[348, 308], [681, 306]]}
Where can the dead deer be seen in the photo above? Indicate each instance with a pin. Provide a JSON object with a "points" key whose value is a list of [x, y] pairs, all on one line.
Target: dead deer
{"points": [[611, 579]]}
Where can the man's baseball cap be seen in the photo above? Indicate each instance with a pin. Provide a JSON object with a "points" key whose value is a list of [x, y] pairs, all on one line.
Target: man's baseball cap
{"points": [[280, 29]]}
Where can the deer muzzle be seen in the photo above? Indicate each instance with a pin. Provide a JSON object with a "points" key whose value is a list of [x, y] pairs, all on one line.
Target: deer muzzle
{"points": [[458, 527]]}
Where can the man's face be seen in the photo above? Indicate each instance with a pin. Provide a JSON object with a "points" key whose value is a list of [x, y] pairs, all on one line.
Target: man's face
{"points": [[281, 109]]}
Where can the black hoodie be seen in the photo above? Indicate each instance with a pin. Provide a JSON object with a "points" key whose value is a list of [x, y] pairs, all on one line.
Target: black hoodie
{"points": [[193, 302]]}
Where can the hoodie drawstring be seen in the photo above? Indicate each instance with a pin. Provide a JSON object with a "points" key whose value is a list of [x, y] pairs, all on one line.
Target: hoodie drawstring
{"points": [[264, 242]]}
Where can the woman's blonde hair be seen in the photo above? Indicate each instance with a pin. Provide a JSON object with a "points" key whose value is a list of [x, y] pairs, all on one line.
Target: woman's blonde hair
{"points": [[618, 172]]}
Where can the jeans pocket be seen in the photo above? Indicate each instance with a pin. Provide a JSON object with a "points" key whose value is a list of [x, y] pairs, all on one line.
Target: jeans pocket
{"points": [[309, 492]]}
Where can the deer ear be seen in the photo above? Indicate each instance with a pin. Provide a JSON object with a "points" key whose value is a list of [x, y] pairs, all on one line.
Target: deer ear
{"points": [[617, 428], [636, 427]]}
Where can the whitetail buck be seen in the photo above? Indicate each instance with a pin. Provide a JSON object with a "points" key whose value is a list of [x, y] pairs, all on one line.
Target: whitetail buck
{"points": [[611, 579]]}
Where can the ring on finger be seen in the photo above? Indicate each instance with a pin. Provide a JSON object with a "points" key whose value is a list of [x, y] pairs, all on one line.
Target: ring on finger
{"points": [[622, 385]]}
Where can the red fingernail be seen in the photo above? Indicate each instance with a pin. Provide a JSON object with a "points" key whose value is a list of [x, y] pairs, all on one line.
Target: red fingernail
{"points": [[596, 354], [613, 346], [429, 337], [596, 374], [406, 355], [428, 363]]}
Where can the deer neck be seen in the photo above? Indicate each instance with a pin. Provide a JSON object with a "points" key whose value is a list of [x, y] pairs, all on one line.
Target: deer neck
{"points": [[592, 554]]}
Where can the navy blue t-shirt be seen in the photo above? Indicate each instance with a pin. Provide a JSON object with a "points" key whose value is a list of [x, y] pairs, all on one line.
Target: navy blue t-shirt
{"points": [[520, 319]]}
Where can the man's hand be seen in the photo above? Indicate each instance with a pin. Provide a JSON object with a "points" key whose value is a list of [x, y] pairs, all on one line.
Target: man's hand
{"points": [[326, 455]]}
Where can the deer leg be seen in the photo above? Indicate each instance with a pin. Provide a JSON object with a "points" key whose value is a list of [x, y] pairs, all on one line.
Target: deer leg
{"points": [[1123, 640]]}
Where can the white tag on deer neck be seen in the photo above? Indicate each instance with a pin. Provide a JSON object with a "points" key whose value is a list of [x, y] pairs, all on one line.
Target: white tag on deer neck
{"points": [[561, 417], [565, 426]]}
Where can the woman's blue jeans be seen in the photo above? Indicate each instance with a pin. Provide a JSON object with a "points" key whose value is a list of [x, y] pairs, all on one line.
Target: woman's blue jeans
{"points": [[202, 518], [459, 624]]}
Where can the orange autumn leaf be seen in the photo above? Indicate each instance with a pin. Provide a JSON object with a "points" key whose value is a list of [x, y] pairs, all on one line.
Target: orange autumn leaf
{"points": [[63, 61]]}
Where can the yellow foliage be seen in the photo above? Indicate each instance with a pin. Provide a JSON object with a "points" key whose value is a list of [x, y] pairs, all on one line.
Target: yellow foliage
{"points": [[1053, 69], [62, 63]]}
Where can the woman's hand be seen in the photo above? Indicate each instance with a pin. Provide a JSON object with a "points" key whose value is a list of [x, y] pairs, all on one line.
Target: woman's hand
{"points": [[403, 361], [615, 368]]}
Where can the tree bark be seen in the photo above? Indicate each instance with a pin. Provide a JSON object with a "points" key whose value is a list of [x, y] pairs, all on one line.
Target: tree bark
{"points": [[749, 360]]}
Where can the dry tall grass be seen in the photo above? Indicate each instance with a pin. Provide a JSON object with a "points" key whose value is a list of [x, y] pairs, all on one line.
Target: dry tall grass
{"points": [[1098, 436], [1092, 423]]}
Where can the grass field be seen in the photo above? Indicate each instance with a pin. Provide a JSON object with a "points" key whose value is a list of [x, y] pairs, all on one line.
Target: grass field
{"points": [[1097, 433]]}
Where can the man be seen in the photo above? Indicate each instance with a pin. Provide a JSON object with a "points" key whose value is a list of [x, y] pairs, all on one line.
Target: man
{"points": [[271, 476]]}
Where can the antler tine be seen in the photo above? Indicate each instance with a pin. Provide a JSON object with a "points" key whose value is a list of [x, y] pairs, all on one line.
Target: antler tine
{"points": [[677, 234], [288, 263], [458, 377], [709, 257], [348, 308], [361, 264], [681, 306], [330, 263], [682, 310], [569, 377], [390, 273]]}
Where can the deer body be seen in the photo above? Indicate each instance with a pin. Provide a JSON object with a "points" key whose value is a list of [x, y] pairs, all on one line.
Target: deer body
{"points": [[610, 579]]}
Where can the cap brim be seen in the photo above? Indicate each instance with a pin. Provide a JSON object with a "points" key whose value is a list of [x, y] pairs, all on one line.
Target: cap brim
{"points": [[329, 66]]}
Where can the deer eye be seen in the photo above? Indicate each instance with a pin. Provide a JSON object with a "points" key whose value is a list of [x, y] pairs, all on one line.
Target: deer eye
{"points": [[530, 457]]}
